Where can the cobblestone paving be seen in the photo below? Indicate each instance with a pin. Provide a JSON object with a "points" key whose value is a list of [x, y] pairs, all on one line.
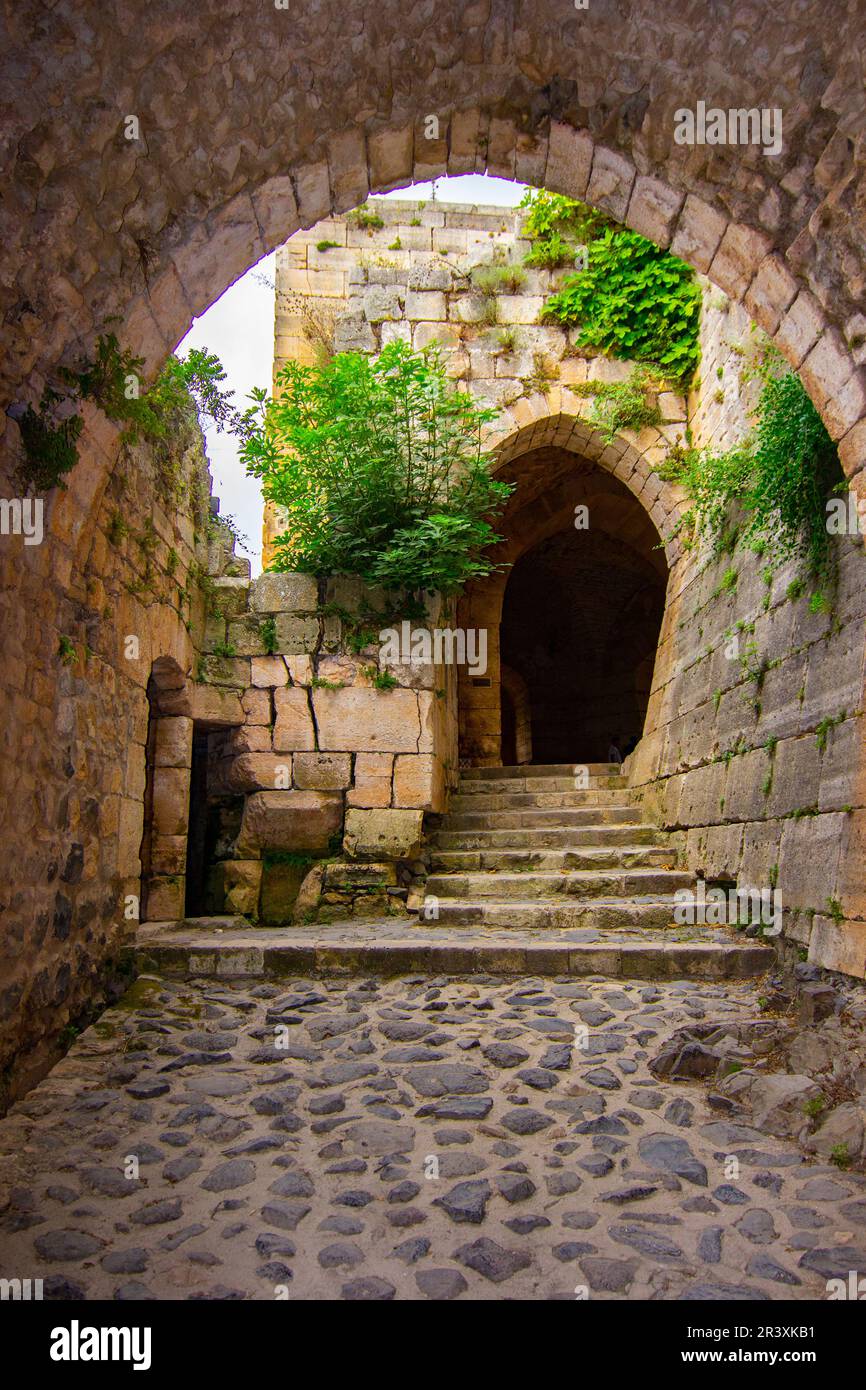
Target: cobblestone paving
{"points": [[411, 1138]]}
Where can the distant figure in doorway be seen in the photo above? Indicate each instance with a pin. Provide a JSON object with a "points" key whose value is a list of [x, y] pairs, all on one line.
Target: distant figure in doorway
{"points": [[613, 753]]}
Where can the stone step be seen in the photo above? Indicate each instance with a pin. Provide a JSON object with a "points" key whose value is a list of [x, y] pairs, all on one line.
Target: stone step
{"points": [[539, 785], [610, 914], [538, 770], [386, 948], [513, 801], [627, 856], [587, 883], [551, 837], [532, 818]]}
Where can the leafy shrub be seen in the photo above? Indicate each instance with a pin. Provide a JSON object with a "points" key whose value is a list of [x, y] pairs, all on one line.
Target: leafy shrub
{"points": [[623, 405], [782, 476], [633, 301], [378, 464], [557, 226]]}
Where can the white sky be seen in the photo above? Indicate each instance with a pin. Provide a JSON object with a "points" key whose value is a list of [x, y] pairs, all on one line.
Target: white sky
{"points": [[239, 328]]}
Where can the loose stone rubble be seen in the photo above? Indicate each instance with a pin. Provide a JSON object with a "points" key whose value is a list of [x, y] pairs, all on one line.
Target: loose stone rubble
{"points": [[424, 1137]]}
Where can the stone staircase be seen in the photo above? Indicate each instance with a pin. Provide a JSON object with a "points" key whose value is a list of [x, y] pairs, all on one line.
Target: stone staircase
{"points": [[524, 847]]}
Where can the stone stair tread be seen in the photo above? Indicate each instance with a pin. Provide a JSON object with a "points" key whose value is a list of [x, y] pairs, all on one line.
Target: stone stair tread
{"points": [[389, 947]]}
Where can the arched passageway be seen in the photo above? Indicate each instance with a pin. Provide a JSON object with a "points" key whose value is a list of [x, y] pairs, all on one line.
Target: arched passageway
{"points": [[580, 623], [573, 610], [240, 134]]}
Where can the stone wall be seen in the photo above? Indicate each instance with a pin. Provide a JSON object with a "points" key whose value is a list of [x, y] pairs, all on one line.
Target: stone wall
{"points": [[752, 775], [333, 755], [754, 741], [95, 614]]}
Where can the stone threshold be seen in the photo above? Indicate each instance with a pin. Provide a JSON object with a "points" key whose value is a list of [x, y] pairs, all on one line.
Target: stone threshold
{"points": [[225, 951]]}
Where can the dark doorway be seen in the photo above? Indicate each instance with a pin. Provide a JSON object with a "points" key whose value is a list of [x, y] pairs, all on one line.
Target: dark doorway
{"points": [[580, 624], [196, 844]]}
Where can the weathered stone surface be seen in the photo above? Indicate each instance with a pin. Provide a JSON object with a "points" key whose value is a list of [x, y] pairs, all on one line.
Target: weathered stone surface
{"points": [[292, 820], [283, 593], [378, 834], [367, 720], [293, 727]]}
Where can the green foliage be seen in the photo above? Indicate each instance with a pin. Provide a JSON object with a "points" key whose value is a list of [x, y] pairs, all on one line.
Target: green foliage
{"points": [[326, 245], [268, 634], [629, 299], [66, 650], [781, 475], [382, 680], [825, 728], [840, 1156], [557, 226], [623, 405], [506, 341], [50, 442], [796, 466], [111, 379], [491, 280], [365, 218], [379, 466]]}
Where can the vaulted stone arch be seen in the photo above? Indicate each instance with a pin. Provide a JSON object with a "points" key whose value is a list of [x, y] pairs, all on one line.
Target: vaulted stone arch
{"points": [[559, 462], [152, 154]]}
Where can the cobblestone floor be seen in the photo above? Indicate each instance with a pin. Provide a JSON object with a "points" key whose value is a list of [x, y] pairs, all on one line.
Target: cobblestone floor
{"points": [[411, 1138]]}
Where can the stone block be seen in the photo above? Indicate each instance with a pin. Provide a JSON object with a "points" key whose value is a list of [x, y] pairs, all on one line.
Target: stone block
{"points": [[173, 744], [610, 182], [256, 705], [653, 209], [287, 592], [373, 772], [699, 231], [251, 772], [384, 302], [245, 636], [383, 834], [270, 671], [322, 771], [809, 860], [168, 855], [242, 882], [165, 899], [230, 595], [290, 820], [230, 671], [569, 160], [414, 775], [839, 946], [293, 728], [296, 636], [300, 669], [366, 720], [170, 812], [426, 304]]}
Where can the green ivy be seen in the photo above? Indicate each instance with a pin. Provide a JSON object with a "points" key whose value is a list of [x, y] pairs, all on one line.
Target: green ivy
{"points": [[781, 475], [379, 466], [633, 301], [623, 405]]}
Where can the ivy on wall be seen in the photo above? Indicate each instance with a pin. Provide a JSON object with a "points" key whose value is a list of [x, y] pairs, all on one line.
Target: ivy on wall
{"points": [[782, 475], [628, 298]]}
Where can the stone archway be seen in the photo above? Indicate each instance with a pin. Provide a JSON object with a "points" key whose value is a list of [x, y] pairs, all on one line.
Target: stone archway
{"points": [[561, 465], [144, 177]]}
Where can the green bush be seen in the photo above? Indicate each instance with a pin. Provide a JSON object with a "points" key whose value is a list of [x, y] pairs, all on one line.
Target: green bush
{"points": [[378, 464], [633, 301], [781, 475]]}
